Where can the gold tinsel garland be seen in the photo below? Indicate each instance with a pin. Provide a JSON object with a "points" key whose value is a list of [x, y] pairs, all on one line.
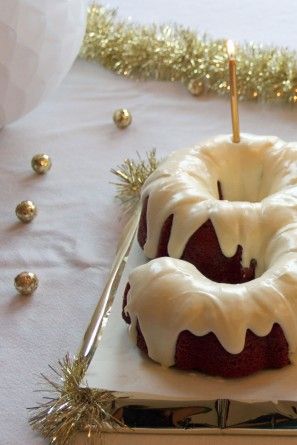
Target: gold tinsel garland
{"points": [[131, 175], [70, 408], [175, 53]]}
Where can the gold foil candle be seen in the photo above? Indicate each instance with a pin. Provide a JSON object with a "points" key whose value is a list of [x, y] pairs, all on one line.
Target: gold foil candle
{"points": [[233, 91]]}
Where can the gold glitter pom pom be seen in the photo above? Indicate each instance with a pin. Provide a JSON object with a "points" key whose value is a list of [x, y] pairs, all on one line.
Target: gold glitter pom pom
{"points": [[175, 53], [122, 118], [26, 211], [41, 163], [196, 87], [132, 175], [26, 283]]}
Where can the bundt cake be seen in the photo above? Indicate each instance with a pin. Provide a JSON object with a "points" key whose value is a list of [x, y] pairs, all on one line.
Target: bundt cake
{"points": [[229, 211]]}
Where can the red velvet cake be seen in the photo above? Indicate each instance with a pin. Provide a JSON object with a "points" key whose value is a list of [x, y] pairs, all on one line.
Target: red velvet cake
{"points": [[223, 303], [206, 354], [209, 258]]}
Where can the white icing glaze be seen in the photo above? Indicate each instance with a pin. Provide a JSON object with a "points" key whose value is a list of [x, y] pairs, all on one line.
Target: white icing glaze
{"points": [[257, 175], [168, 295]]}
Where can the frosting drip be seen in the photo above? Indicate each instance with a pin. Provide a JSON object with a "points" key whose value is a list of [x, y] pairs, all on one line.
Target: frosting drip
{"points": [[258, 179], [168, 296]]}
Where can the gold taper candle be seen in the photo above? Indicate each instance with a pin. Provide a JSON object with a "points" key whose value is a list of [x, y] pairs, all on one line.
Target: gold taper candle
{"points": [[233, 92]]}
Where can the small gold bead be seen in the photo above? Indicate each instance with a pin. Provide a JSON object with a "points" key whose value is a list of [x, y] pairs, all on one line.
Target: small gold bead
{"points": [[26, 283], [196, 87], [122, 118], [41, 163], [26, 211]]}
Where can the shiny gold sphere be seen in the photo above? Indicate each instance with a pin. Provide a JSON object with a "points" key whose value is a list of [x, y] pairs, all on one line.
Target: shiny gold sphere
{"points": [[26, 211], [122, 118], [26, 283], [41, 163], [196, 87]]}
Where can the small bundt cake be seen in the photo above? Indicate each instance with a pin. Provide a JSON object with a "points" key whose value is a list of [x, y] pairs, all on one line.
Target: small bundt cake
{"points": [[230, 211], [179, 317], [203, 204]]}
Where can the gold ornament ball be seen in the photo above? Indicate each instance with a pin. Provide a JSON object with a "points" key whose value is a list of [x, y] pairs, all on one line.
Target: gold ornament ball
{"points": [[26, 283], [122, 118], [41, 163], [196, 87], [26, 211]]}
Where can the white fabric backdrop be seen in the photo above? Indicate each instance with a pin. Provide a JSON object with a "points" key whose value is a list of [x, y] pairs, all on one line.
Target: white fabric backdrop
{"points": [[71, 243]]}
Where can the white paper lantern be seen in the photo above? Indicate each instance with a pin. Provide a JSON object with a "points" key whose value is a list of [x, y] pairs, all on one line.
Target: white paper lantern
{"points": [[39, 40]]}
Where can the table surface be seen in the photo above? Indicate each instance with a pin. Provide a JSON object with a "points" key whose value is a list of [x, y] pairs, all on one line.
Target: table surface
{"points": [[71, 243]]}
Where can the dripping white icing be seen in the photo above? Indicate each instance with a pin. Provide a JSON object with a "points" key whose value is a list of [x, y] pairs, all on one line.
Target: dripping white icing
{"points": [[168, 295], [257, 175]]}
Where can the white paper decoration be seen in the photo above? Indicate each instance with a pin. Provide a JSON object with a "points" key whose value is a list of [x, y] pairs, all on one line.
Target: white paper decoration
{"points": [[39, 40]]}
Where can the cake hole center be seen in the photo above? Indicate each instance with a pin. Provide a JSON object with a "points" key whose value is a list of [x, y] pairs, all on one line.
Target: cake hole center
{"points": [[245, 174], [240, 193]]}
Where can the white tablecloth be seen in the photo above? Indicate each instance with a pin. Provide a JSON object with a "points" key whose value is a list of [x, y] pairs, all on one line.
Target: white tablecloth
{"points": [[71, 243]]}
